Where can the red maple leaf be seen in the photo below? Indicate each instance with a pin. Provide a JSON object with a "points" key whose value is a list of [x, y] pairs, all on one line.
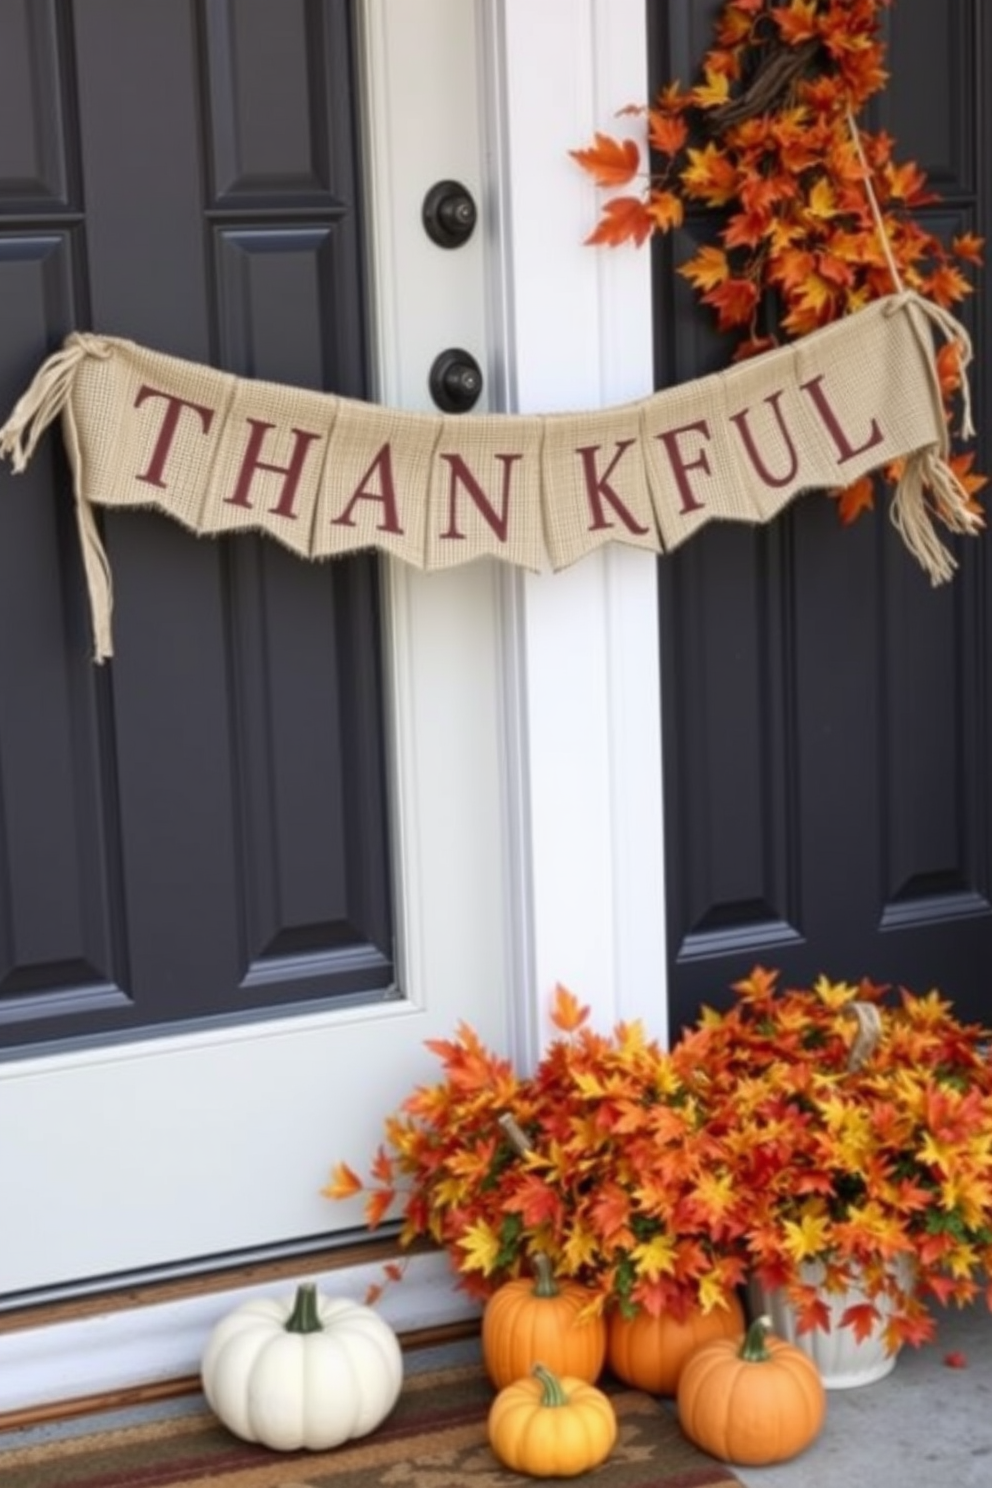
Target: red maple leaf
{"points": [[861, 1318], [535, 1201]]}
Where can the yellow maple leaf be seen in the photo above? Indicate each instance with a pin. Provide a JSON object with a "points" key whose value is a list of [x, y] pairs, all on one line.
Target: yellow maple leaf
{"points": [[712, 1292], [589, 1084], [807, 1238], [707, 269], [715, 1193], [448, 1193], [655, 1257], [713, 91], [479, 1248], [580, 1249], [822, 201], [710, 176], [835, 995]]}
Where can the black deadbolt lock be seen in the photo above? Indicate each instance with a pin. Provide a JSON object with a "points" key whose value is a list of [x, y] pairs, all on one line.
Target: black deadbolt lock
{"points": [[456, 381], [449, 214]]}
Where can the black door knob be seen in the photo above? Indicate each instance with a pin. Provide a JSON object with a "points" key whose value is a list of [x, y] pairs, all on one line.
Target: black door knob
{"points": [[449, 214], [456, 380]]}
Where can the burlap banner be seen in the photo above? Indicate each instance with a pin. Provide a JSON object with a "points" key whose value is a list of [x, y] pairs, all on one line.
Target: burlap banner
{"points": [[327, 475]]}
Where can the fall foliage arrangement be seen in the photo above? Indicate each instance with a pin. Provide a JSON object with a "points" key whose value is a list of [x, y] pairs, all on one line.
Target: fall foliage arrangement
{"points": [[813, 216], [662, 1179]]}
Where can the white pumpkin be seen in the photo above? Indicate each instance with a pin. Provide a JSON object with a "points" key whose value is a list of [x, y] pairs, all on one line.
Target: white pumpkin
{"points": [[313, 1373]]}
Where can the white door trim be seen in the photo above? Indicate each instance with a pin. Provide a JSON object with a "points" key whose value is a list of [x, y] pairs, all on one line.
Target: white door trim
{"points": [[573, 326]]}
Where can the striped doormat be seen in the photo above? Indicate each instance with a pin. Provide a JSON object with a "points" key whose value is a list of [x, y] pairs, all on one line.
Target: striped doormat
{"points": [[435, 1438]]}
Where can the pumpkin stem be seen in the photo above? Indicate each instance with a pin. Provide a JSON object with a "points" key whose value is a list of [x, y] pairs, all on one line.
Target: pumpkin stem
{"points": [[552, 1391], [304, 1317], [544, 1281], [754, 1349]]}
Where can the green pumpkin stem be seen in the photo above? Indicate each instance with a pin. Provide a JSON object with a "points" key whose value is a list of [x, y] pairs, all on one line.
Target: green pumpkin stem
{"points": [[754, 1349], [304, 1317], [544, 1279], [552, 1390]]}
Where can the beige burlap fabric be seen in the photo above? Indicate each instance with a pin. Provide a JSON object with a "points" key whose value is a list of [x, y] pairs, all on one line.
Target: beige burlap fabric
{"points": [[327, 475]]}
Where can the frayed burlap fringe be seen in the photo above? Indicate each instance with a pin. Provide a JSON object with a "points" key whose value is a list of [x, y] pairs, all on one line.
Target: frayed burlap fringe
{"points": [[327, 475]]}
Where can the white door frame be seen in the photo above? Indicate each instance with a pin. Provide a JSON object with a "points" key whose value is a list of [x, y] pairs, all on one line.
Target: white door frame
{"points": [[581, 891], [573, 331]]}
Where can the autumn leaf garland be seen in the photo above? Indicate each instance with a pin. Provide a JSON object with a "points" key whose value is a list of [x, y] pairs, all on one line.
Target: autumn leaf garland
{"points": [[764, 141]]}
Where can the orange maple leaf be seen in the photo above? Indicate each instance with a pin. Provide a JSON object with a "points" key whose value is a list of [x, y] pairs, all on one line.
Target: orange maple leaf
{"points": [[666, 210], [907, 183], [733, 27], [382, 1166], [625, 219], [855, 500], [746, 229], [707, 269], [968, 246], [667, 133], [377, 1205], [567, 1013], [798, 23], [962, 464], [534, 1201], [734, 302], [610, 161], [834, 270], [610, 1213], [792, 268], [762, 193], [946, 285], [345, 1183], [672, 99]]}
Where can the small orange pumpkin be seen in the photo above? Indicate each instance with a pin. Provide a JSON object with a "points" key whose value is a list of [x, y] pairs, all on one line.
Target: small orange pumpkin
{"points": [[649, 1352], [551, 1428], [538, 1321], [753, 1403]]}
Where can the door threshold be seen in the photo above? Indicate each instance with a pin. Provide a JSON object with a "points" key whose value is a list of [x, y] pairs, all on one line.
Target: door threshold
{"points": [[145, 1343]]}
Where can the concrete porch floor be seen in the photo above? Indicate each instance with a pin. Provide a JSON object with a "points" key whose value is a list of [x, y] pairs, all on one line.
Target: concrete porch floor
{"points": [[926, 1425]]}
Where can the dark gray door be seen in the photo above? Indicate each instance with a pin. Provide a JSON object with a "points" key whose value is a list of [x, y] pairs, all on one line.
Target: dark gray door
{"points": [[199, 828], [826, 713]]}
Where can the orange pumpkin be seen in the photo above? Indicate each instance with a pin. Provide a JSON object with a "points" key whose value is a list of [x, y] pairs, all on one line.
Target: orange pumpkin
{"points": [[753, 1403], [538, 1321], [649, 1352], [551, 1428]]}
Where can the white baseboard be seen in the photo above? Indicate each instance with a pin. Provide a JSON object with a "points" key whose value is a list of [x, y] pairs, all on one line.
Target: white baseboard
{"points": [[157, 1342]]}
